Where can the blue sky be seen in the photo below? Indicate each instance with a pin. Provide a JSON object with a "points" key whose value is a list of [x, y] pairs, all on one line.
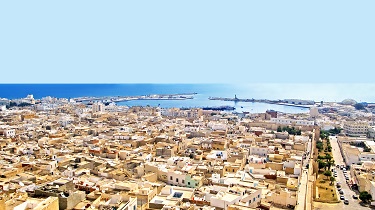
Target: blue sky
{"points": [[205, 41]]}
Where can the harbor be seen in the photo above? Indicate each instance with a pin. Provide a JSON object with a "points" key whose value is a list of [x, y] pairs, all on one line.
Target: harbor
{"points": [[105, 99], [285, 102]]}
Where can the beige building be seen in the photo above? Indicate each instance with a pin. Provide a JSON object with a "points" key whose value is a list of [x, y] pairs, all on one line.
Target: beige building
{"points": [[356, 128]]}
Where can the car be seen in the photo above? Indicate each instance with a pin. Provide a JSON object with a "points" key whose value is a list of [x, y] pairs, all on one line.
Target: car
{"points": [[345, 172], [342, 197], [346, 201], [355, 197], [341, 192], [347, 178], [335, 175]]}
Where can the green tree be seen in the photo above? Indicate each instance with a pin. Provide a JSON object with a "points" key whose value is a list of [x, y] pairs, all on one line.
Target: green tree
{"points": [[327, 173], [329, 148], [321, 164], [335, 131], [320, 157], [365, 196], [332, 179], [319, 145], [328, 157], [324, 134], [329, 164]]}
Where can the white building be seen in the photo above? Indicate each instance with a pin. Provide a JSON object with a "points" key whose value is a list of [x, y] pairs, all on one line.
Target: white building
{"points": [[98, 107], [7, 131], [65, 120], [176, 178], [223, 200], [285, 121], [371, 132], [261, 151]]}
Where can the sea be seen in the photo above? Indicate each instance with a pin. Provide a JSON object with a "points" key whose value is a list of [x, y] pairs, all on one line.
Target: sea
{"points": [[335, 92]]}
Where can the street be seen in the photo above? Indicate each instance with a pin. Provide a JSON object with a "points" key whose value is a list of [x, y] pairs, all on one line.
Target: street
{"points": [[304, 196], [348, 193]]}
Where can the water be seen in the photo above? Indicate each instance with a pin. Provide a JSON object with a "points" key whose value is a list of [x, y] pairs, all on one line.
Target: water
{"points": [[316, 92]]}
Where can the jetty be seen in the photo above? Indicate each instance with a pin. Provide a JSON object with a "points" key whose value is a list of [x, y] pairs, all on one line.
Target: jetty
{"points": [[181, 96], [285, 102]]}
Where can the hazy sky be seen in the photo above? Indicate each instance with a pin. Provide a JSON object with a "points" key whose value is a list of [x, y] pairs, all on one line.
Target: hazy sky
{"points": [[171, 41]]}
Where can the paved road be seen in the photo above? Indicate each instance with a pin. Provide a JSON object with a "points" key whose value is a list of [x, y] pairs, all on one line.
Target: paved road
{"points": [[303, 190], [301, 197], [348, 193]]}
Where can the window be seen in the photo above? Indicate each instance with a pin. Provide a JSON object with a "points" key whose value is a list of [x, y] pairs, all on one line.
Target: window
{"points": [[171, 178], [183, 181], [176, 179], [188, 183], [196, 184], [258, 196], [134, 207]]}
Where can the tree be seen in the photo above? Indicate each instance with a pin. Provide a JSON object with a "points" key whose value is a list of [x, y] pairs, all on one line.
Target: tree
{"points": [[328, 157], [321, 157], [329, 148], [327, 173], [324, 134], [319, 145], [329, 164], [335, 131], [332, 179], [365, 196], [321, 164]]}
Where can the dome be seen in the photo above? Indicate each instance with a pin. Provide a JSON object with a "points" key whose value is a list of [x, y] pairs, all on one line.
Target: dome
{"points": [[348, 102]]}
